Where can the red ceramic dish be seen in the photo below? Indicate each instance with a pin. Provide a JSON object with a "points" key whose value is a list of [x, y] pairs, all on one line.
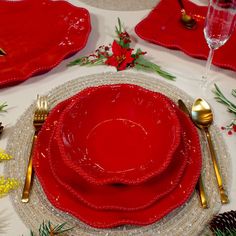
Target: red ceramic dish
{"points": [[117, 134], [162, 26], [102, 197], [38, 35], [63, 200]]}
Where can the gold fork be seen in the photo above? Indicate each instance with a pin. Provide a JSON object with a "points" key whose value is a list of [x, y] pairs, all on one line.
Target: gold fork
{"points": [[40, 116]]}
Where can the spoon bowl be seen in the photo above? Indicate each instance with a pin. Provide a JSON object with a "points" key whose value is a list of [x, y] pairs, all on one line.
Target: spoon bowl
{"points": [[187, 21], [201, 113]]}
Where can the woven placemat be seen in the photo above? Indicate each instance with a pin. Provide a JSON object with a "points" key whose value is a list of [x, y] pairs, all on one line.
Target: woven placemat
{"points": [[122, 5], [189, 219]]}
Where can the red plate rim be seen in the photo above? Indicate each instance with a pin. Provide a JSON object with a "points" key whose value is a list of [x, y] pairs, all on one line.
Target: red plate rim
{"points": [[42, 66]]}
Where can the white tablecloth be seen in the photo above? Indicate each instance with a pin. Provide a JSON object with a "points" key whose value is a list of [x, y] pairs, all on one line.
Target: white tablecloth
{"points": [[188, 71]]}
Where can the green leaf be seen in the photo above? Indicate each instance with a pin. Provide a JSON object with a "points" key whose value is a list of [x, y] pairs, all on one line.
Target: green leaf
{"points": [[142, 64], [80, 61], [3, 106], [84, 61]]}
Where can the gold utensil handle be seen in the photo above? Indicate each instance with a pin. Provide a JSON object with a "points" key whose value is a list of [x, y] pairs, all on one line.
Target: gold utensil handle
{"points": [[223, 196], [200, 186], [181, 4], [202, 193], [29, 175]]}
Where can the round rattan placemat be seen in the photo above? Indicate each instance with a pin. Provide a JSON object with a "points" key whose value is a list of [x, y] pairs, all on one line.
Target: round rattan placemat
{"points": [[122, 5], [189, 219]]}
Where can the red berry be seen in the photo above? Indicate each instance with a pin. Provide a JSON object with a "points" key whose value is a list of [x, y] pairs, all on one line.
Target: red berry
{"points": [[230, 132]]}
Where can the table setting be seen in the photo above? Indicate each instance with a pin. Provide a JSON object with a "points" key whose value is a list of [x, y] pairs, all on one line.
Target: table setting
{"points": [[114, 125]]}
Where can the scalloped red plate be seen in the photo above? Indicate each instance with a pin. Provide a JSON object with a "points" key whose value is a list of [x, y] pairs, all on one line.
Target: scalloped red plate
{"points": [[162, 26], [61, 198], [120, 133], [102, 197], [38, 35]]}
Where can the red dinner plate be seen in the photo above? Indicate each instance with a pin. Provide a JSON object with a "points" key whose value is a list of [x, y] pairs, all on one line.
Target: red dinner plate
{"points": [[61, 198], [38, 35], [119, 133], [162, 26], [102, 197]]}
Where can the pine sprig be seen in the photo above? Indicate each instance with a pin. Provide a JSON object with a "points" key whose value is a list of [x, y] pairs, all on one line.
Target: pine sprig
{"points": [[233, 92], [224, 224], [231, 107], [143, 64], [3, 106], [219, 96], [229, 232], [47, 229]]}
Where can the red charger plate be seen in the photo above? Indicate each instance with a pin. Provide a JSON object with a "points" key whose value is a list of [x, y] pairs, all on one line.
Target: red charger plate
{"points": [[38, 35], [119, 133], [162, 26], [63, 200]]}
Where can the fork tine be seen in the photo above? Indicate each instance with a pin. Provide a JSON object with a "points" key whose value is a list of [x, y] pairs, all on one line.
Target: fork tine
{"points": [[38, 101], [44, 104]]}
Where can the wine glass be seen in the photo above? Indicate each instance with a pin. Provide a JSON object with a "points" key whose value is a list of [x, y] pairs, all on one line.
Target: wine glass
{"points": [[219, 25]]}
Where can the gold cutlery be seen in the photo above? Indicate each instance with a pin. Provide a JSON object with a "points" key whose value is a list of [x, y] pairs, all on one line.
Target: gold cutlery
{"points": [[200, 186], [187, 21], [202, 116], [2, 52], [40, 116]]}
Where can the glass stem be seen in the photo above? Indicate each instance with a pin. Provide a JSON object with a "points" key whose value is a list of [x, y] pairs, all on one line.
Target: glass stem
{"points": [[209, 62]]}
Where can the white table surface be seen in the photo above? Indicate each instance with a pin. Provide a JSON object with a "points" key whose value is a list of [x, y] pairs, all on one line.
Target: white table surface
{"points": [[188, 71]]}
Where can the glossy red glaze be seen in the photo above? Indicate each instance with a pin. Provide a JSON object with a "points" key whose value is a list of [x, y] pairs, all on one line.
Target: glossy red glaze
{"points": [[61, 198], [38, 35], [102, 197], [162, 26], [117, 134]]}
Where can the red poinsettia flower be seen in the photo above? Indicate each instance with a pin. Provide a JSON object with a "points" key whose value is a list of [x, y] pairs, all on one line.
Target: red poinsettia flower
{"points": [[121, 57]]}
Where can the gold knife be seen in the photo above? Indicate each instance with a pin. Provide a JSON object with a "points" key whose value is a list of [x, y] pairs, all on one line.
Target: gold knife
{"points": [[200, 186]]}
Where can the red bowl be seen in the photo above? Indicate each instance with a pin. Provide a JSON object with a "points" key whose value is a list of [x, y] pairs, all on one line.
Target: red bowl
{"points": [[117, 134], [102, 196]]}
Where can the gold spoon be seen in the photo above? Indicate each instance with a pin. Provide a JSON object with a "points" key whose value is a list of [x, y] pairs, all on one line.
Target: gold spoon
{"points": [[202, 116], [186, 19], [200, 186]]}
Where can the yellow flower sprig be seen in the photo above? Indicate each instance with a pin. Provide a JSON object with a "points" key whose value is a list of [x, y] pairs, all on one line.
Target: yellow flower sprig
{"points": [[6, 185], [4, 155]]}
